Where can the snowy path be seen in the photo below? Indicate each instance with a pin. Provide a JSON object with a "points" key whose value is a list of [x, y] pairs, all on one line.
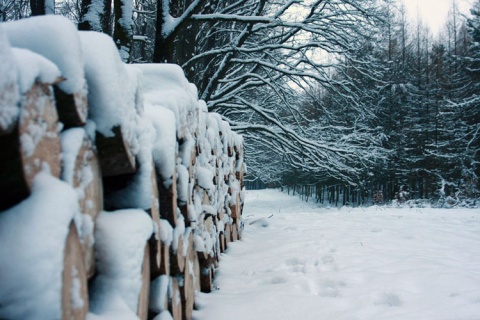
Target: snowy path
{"points": [[370, 263]]}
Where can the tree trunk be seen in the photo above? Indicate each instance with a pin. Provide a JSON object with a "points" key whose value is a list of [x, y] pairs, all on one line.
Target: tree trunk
{"points": [[163, 51], [37, 7], [123, 33]]}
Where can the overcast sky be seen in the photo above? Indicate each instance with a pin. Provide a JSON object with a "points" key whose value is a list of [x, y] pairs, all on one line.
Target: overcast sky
{"points": [[435, 12]]}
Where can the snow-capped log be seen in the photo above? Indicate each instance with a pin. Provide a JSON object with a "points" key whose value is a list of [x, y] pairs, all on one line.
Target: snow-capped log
{"points": [[165, 85], [189, 277], [164, 153], [177, 256], [221, 241], [33, 141], [139, 189], [81, 170], [149, 152], [120, 284], [74, 278], [56, 38], [33, 235], [206, 278], [175, 300], [112, 99], [9, 94]]}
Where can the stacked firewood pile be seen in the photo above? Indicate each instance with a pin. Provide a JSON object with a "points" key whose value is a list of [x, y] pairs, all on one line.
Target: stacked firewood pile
{"points": [[118, 189]]}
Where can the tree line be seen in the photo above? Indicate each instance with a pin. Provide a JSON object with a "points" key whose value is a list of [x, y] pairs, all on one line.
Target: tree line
{"points": [[344, 95], [422, 93]]}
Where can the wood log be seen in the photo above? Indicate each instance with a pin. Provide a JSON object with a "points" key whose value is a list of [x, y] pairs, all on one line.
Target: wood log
{"points": [[143, 297], [234, 232], [177, 258], [206, 279], [175, 301], [187, 286], [74, 279], [165, 260], [196, 270], [85, 176], [121, 187], [235, 209], [71, 108], [115, 154], [168, 199], [221, 240], [228, 234], [32, 146], [155, 242]]}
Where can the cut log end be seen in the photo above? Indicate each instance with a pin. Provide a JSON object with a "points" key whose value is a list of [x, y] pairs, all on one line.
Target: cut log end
{"points": [[32, 146], [142, 306], [74, 279]]}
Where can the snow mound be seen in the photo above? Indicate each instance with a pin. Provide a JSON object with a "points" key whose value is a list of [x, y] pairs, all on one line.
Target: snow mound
{"points": [[33, 235], [55, 38], [120, 241], [9, 96], [112, 93], [165, 85]]}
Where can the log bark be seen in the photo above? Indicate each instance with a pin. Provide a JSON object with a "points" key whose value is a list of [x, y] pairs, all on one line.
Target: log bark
{"points": [[32, 146], [115, 154], [206, 279], [165, 260], [71, 108], [74, 297], [168, 199], [221, 240]]}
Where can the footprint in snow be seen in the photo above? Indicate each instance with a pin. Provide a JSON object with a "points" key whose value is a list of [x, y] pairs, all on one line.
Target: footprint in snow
{"points": [[389, 299]]}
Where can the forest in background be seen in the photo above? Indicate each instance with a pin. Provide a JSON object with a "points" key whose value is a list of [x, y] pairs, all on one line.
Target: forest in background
{"points": [[336, 99]]}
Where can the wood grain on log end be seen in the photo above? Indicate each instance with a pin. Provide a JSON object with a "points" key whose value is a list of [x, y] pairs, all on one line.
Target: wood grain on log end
{"points": [[165, 260], [177, 258], [175, 301], [74, 279], [32, 146], [143, 297]]}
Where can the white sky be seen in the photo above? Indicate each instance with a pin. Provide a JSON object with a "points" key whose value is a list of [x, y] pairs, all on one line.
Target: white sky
{"points": [[435, 12]]}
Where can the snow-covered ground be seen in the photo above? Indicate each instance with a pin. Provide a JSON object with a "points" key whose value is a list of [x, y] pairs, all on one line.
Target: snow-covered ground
{"points": [[298, 261]]}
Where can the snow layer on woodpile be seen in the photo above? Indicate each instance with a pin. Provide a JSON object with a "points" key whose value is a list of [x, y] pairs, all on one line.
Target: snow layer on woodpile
{"points": [[55, 38], [33, 68], [120, 240], [165, 85], [9, 96], [33, 236], [165, 144], [112, 87]]}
